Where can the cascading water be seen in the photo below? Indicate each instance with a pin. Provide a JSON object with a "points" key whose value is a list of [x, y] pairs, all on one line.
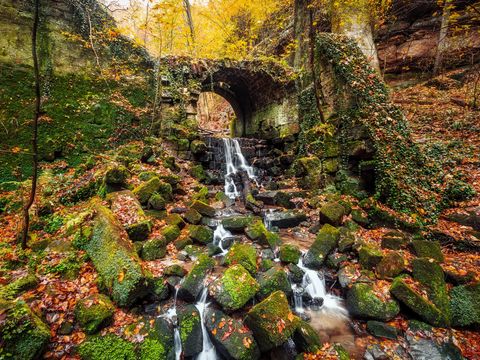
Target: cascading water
{"points": [[208, 352], [314, 285], [171, 314], [219, 235], [235, 161]]}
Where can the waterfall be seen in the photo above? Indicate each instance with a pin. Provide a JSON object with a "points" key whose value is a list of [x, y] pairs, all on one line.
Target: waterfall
{"points": [[208, 352], [314, 285], [234, 161], [267, 219], [171, 314], [219, 235]]}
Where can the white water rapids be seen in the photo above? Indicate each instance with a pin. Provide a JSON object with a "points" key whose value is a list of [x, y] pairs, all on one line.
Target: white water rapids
{"points": [[208, 352]]}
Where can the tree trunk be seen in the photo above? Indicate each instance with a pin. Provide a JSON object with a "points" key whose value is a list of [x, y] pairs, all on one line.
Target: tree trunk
{"points": [[442, 37], [302, 38], [28, 205], [188, 12]]}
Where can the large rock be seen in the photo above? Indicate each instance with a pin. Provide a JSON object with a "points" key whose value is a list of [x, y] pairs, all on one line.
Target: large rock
{"points": [[234, 288], [390, 266], [306, 338], [394, 240], [243, 254], [238, 223], [154, 249], [192, 284], [428, 249], [23, 334], [258, 232], [369, 256], [469, 217], [204, 209], [116, 260], [332, 213], [144, 191], [271, 321], [289, 253], [362, 302], [190, 330], [200, 234], [286, 219], [273, 280], [230, 337], [94, 312], [116, 175], [465, 305], [325, 242]]}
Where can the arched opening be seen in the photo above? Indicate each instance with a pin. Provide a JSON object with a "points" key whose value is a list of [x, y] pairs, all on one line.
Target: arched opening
{"points": [[215, 114]]}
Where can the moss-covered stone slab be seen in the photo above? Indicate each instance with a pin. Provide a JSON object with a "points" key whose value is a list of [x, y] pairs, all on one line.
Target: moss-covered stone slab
{"points": [[332, 213], [170, 233], [465, 305], [94, 312], [382, 330], [23, 334], [17, 287], [200, 234], [238, 223], [273, 280], [203, 208], [326, 240], [390, 266], [306, 338], [144, 191], [289, 253], [192, 216], [286, 219], [369, 256], [258, 232], [234, 289], [243, 254], [394, 240], [175, 219], [107, 347], [231, 338], [362, 302], [190, 330], [116, 260], [174, 270], [116, 175], [271, 321], [428, 249], [154, 249], [192, 284], [157, 202]]}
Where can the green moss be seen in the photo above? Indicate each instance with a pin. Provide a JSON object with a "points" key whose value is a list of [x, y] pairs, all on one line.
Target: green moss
{"points": [[306, 338], [203, 208], [465, 305], [175, 219], [458, 190], [428, 249], [244, 255], [152, 349], [273, 280], [326, 240], [15, 288], [157, 202], [116, 175], [192, 216], [369, 256], [170, 233], [193, 282], [153, 249], [258, 232], [362, 302], [289, 253], [198, 172], [94, 312], [332, 213], [107, 347], [238, 222], [190, 330], [139, 231], [390, 266], [201, 234], [272, 321], [234, 288], [144, 191]]}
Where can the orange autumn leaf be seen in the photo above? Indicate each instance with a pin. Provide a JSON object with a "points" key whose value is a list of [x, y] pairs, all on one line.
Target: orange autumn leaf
{"points": [[121, 276]]}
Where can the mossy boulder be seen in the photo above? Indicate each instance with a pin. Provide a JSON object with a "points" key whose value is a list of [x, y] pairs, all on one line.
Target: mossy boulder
{"points": [[198, 147], [152, 349], [203, 208], [273, 280], [325, 241], [289, 253], [170, 233], [230, 337], [116, 260], [258, 232], [166, 190], [174, 270], [465, 305], [107, 347], [362, 302], [390, 266], [309, 170], [394, 240], [15, 288], [144, 191], [243, 254], [369, 256], [139, 231], [175, 219], [94, 312], [154, 249], [198, 172], [157, 202], [192, 216], [192, 284], [190, 330], [183, 241], [159, 289], [237, 223], [346, 240], [271, 321], [332, 213], [234, 288], [200, 234], [360, 217], [428, 249], [382, 330], [306, 338], [116, 175], [23, 334]]}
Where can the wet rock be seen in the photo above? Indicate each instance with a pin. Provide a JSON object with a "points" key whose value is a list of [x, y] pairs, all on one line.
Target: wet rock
{"points": [[174, 270], [309, 170], [335, 260], [234, 289], [346, 239], [94, 312], [306, 338], [362, 302], [230, 337], [200, 234], [295, 273], [375, 352], [369, 256], [465, 305], [346, 275], [267, 254], [193, 283], [428, 249], [289, 253], [153, 249], [115, 259], [31, 334], [213, 249], [175, 219], [325, 242], [198, 147], [238, 223], [159, 289], [382, 330], [203, 208], [394, 240], [390, 266], [192, 216], [170, 233], [244, 255], [182, 242], [360, 217], [286, 219], [190, 330], [144, 191], [332, 213], [258, 232], [426, 349], [273, 280], [272, 321]]}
